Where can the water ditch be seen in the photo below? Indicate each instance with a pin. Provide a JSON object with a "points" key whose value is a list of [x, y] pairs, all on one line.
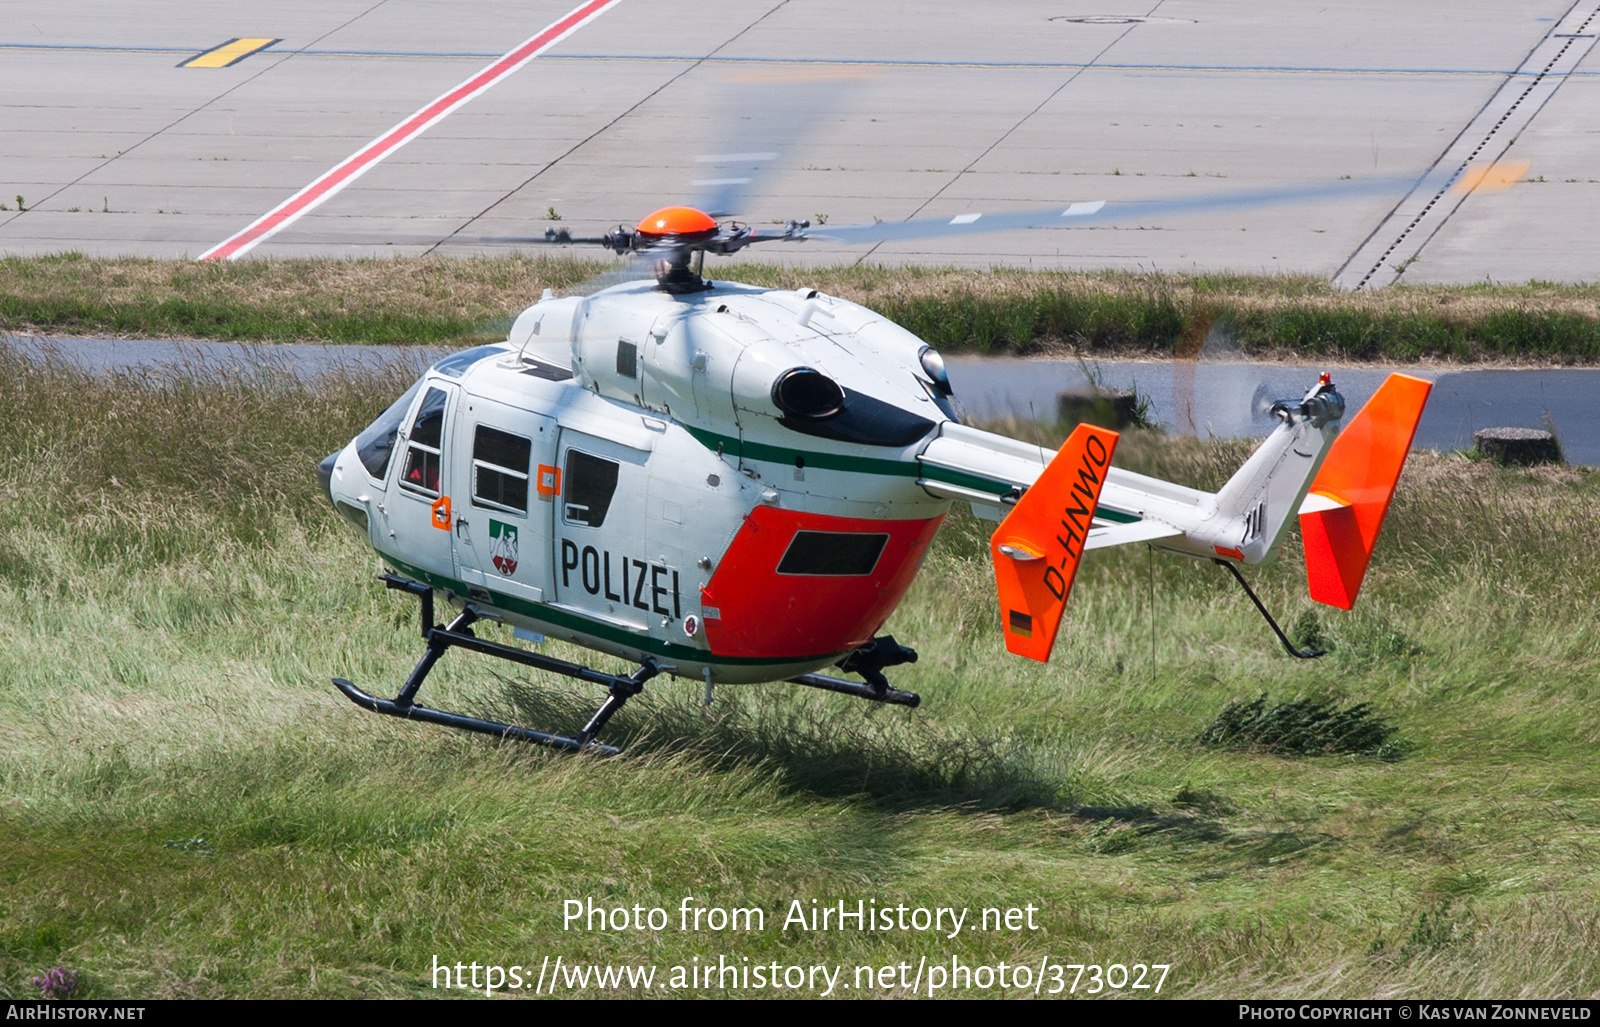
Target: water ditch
{"points": [[1223, 399]]}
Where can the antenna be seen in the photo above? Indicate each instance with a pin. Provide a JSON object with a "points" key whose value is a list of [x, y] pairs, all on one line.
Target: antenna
{"points": [[518, 359]]}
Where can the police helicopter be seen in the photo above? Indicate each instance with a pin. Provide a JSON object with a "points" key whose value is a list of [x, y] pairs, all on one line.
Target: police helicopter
{"points": [[734, 484]]}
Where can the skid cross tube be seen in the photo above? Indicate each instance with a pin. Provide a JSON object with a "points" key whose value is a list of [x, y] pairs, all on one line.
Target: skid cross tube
{"points": [[459, 635], [1308, 654], [436, 648], [622, 689]]}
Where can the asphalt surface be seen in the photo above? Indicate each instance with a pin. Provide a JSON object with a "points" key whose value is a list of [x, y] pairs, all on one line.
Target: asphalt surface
{"points": [[900, 110]]}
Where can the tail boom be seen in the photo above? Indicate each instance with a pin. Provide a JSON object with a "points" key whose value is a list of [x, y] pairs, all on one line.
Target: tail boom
{"points": [[1052, 509]]}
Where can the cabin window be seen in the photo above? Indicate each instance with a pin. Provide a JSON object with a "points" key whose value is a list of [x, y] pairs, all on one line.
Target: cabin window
{"points": [[833, 554], [422, 451], [500, 469], [587, 487], [457, 363]]}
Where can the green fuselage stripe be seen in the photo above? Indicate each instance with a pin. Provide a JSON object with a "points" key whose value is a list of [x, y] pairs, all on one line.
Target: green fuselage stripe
{"points": [[870, 465], [783, 455]]}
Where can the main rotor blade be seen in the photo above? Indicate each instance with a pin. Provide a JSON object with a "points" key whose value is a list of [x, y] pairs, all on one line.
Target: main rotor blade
{"points": [[628, 269], [1101, 212], [767, 118], [540, 240], [337, 237]]}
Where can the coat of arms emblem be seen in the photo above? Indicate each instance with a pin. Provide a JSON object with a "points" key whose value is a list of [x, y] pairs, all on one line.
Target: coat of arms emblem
{"points": [[503, 546]]}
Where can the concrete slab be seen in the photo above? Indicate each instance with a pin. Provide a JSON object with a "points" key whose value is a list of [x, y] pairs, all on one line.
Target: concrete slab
{"points": [[949, 110], [1518, 229]]}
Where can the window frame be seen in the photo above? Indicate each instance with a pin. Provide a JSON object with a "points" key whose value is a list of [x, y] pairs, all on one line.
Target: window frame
{"points": [[383, 434], [413, 446], [479, 464], [813, 537], [568, 478]]}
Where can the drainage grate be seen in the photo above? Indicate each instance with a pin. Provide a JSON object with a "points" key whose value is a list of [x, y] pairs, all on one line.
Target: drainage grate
{"points": [[1391, 247]]}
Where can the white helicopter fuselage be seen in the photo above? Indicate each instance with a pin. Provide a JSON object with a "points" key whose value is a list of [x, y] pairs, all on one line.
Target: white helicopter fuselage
{"points": [[736, 483]]}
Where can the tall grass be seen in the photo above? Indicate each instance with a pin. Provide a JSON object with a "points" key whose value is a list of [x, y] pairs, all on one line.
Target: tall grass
{"points": [[188, 809], [435, 299]]}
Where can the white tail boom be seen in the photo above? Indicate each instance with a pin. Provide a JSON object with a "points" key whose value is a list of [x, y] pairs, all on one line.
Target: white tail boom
{"points": [[1032, 493]]}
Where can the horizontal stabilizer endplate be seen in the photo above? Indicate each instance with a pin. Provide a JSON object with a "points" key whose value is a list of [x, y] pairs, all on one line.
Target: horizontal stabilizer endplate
{"points": [[1344, 509], [1037, 548]]}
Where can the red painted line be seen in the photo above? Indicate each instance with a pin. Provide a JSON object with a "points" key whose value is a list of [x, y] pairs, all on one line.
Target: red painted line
{"points": [[364, 159]]}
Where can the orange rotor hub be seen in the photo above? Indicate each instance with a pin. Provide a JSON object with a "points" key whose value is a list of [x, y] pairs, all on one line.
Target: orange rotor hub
{"points": [[679, 221]]}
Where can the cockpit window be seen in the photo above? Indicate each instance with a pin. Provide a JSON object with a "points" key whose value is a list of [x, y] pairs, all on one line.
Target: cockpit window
{"points": [[457, 363], [374, 445], [422, 451]]}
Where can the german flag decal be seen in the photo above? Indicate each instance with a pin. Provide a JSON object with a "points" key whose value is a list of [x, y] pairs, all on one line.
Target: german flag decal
{"points": [[1037, 547]]}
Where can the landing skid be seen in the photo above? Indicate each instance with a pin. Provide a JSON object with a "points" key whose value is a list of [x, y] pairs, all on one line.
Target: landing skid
{"points": [[459, 635], [892, 696], [867, 661]]}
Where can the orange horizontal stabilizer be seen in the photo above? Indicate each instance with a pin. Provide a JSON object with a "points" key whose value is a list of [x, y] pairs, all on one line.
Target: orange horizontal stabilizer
{"points": [[1037, 547], [1345, 507]]}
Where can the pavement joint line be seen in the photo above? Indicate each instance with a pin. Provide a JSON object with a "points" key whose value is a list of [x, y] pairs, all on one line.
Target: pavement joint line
{"points": [[1424, 210], [186, 116], [93, 48], [597, 132], [1008, 132], [332, 181]]}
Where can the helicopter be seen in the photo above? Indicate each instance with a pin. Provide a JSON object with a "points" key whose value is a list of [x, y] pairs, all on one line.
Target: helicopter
{"points": [[734, 484]]}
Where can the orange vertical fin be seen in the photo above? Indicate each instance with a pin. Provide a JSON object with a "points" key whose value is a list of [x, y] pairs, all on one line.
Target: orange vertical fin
{"points": [[1345, 506], [1037, 547]]}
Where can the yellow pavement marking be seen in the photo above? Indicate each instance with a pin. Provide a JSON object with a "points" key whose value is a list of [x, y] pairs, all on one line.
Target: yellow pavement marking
{"points": [[231, 52], [1492, 177]]}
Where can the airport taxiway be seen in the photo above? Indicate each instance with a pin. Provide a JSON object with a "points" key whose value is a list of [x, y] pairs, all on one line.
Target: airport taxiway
{"points": [[116, 147]]}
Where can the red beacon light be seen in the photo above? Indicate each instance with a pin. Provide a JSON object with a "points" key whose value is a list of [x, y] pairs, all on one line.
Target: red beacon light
{"points": [[683, 222]]}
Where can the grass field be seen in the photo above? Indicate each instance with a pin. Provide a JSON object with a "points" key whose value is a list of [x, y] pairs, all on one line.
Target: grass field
{"points": [[1012, 311], [187, 808]]}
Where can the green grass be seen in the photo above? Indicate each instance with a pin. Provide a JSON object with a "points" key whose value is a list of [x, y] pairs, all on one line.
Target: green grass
{"points": [[438, 300], [187, 808]]}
